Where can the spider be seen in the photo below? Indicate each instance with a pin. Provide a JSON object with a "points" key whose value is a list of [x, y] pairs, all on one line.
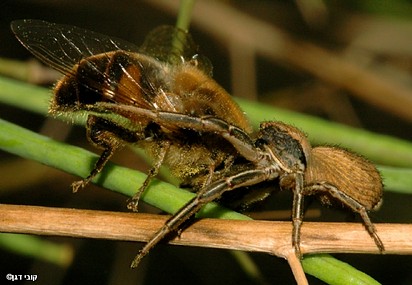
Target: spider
{"points": [[280, 152]]}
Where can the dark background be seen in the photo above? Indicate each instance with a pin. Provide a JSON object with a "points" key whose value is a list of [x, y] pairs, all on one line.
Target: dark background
{"points": [[107, 262]]}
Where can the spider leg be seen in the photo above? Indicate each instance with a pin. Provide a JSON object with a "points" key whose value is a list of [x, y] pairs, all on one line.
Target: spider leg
{"points": [[354, 205], [297, 212], [236, 136], [204, 196], [105, 135]]}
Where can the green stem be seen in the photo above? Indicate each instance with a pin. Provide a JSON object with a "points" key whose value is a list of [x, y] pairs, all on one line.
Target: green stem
{"points": [[31, 246], [335, 272], [185, 14]]}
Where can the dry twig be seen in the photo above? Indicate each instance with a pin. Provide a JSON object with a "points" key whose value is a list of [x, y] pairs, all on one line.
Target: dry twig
{"points": [[259, 236]]}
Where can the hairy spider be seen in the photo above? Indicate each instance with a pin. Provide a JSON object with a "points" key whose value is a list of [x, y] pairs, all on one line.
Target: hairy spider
{"points": [[280, 151]]}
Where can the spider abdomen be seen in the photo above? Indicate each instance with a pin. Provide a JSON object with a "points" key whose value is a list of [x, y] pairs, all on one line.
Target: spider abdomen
{"points": [[351, 174]]}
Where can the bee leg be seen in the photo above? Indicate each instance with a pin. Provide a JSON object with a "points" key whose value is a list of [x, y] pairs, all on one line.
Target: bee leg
{"points": [[351, 203], [212, 174], [209, 176], [134, 201], [105, 135]]}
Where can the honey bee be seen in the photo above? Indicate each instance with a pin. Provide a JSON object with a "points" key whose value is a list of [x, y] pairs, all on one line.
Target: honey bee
{"points": [[102, 73], [162, 98]]}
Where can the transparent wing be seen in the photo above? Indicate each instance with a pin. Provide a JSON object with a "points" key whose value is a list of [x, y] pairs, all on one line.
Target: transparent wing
{"points": [[174, 46], [62, 46]]}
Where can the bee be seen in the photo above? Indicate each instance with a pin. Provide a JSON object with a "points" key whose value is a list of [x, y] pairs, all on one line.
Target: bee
{"points": [[163, 99], [103, 74]]}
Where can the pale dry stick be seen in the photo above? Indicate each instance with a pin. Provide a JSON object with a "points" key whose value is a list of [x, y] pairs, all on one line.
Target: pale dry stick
{"points": [[275, 44], [258, 236], [297, 268]]}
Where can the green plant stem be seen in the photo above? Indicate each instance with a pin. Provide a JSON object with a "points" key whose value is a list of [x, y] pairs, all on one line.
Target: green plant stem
{"points": [[397, 179], [185, 14], [335, 272], [24, 96], [31, 246], [14, 68]]}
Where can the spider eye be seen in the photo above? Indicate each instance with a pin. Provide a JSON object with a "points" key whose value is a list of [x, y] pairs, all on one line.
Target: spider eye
{"points": [[280, 141]]}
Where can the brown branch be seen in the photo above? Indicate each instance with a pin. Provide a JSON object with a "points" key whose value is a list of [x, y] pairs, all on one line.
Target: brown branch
{"points": [[260, 236]]}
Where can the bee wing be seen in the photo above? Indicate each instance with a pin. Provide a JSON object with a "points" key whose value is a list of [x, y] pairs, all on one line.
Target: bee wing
{"points": [[61, 46], [174, 46]]}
